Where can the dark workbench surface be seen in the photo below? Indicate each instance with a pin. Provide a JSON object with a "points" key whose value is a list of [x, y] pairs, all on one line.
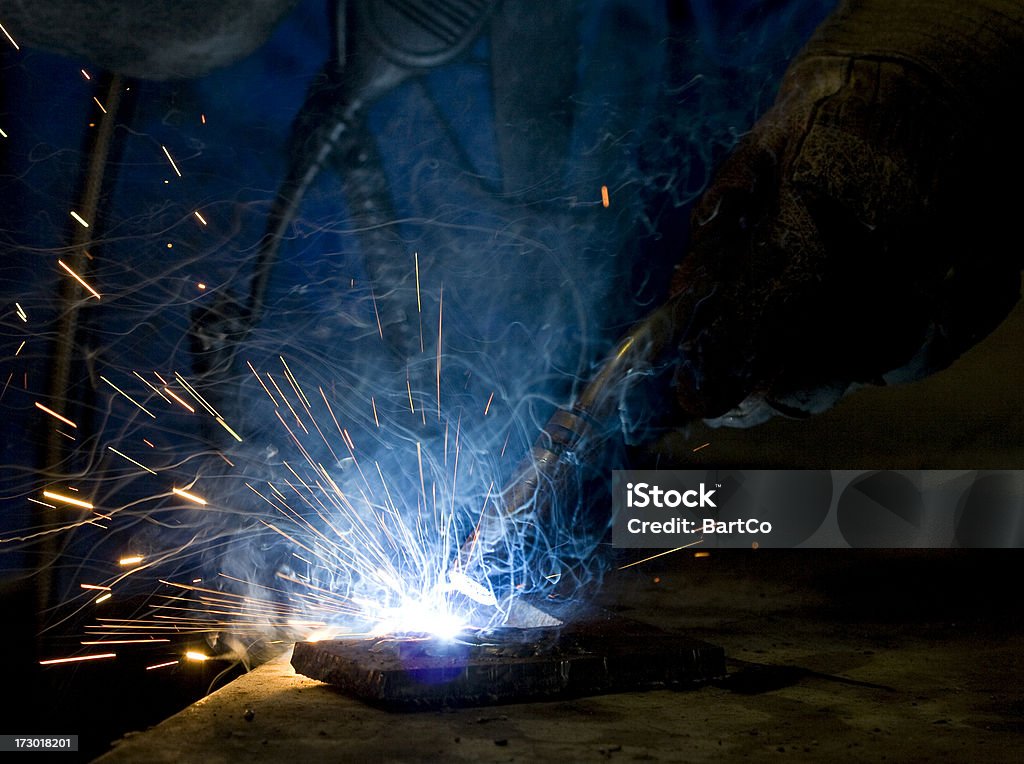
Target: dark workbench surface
{"points": [[939, 629]]}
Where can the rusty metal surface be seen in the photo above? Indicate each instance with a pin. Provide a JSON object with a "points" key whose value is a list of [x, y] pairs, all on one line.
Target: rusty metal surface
{"points": [[604, 654]]}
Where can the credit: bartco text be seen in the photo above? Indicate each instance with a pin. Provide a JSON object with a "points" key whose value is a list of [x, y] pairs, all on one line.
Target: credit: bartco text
{"points": [[707, 526]]}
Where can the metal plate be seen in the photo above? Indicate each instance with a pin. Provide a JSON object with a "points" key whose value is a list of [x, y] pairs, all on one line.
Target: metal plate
{"points": [[603, 654]]}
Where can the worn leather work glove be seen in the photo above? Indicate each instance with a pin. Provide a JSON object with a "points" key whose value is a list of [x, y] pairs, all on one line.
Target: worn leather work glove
{"points": [[858, 234]]}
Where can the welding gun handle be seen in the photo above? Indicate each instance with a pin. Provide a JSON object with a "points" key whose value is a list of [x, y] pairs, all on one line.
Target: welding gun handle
{"points": [[580, 434], [577, 435]]}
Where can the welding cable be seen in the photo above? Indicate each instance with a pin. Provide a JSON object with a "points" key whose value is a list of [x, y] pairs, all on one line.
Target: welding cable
{"points": [[302, 171], [379, 47]]}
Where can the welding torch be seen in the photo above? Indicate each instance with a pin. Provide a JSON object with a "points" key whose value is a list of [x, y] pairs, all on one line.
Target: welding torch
{"points": [[576, 435]]}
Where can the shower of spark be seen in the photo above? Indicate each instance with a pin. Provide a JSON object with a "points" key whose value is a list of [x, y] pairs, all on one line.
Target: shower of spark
{"points": [[357, 535], [370, 551]]}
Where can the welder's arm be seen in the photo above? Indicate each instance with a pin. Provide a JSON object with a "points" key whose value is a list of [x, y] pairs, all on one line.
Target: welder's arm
{"points": [[857, 233]]}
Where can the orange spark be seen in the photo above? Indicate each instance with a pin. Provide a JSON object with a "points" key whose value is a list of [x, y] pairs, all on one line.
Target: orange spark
{"points": [[125, 456], [53, 661], [55, 415], [661, 554], [190, 496], [162, 665], [148, 384], [265, 388], [227, 427], [171, 160], [67, 500], [195, 394], [126, 641], [132, 400], [179, 400], [74, 275], [8, 36]]}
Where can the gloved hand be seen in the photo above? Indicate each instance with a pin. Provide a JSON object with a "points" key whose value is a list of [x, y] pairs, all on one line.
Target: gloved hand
{"points": [[854, 235]]}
